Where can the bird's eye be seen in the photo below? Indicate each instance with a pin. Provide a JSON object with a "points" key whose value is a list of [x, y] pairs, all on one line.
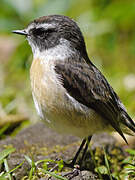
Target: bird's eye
{"points": [[41, 32], [38, 32]]}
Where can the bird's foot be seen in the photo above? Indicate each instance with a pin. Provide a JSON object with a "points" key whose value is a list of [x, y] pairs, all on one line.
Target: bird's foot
{"points": [[76, 171], [69, 165]]}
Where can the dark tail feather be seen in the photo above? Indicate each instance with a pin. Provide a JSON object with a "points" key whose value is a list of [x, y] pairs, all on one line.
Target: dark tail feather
{"points": [[116, 126], [127, 121]]}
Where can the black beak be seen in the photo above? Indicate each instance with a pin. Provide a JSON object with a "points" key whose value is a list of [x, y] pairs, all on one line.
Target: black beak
{"points": [[21, 32]]}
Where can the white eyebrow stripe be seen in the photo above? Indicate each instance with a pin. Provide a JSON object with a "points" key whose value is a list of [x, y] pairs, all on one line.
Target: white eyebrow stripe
{"points": [[30, 26], [46, 26]]}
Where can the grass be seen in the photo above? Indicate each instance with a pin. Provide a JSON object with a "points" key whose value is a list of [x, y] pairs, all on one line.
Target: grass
{"points": [[110, 166], [45, 170], [34, 171], [107, 165], [117, 167]]}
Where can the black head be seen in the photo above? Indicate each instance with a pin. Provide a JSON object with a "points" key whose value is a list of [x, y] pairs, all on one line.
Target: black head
{"points": [[47, 31]]}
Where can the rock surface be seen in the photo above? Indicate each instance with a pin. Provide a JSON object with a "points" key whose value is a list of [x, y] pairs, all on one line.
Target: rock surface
{"points": [[40, 142]]}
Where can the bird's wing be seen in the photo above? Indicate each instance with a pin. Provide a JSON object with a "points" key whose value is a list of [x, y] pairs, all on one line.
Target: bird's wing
{"points": [[87, 85]]}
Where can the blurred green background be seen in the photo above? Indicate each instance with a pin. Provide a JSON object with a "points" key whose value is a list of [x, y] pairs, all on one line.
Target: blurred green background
{"points": [[109, 30]]}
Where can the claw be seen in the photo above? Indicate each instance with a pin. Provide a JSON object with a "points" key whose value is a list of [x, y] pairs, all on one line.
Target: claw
{"points": [[73, 173]]}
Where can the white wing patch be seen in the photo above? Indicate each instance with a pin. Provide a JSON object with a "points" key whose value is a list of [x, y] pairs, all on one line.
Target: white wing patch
{"points": [[38, 107]]}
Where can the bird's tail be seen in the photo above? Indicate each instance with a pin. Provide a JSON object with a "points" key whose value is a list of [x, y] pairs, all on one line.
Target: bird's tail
{"points": [[129, 124]]}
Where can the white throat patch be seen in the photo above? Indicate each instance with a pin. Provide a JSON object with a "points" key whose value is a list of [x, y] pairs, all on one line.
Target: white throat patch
{"points": [[59, 52]]}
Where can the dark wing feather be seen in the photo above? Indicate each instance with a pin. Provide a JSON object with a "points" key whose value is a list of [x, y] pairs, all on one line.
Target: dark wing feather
{"points": [[88, 86]]}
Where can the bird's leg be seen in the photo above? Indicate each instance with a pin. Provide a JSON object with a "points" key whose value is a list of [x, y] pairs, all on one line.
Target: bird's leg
{"points": [[85, 149], [78, 152], [76, 170], [76, 155]]}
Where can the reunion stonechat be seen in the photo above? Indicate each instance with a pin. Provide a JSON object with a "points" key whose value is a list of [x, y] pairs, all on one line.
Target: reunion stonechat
{"points": [[70, 94]]}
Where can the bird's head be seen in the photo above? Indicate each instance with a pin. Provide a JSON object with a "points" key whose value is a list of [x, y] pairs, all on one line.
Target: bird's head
{"points": [[50, 31]]}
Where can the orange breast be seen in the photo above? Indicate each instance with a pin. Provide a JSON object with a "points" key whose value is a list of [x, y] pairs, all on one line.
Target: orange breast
{"points": [[36, 76], [45, 85]]}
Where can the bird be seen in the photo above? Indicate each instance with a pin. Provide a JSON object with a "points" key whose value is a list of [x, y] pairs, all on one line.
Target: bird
{"points": [[70, 93]]}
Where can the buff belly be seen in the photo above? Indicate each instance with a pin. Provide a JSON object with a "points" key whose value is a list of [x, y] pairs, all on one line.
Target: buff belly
{"points": [[57, 108]]}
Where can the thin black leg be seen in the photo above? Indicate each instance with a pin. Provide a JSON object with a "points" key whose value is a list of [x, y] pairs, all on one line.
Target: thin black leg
{"points": [[76, 155], [85, 149], [78, 152]]}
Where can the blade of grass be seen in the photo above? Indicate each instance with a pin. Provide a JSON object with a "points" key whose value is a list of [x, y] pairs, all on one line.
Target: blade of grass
{"points": [[58, 162], [28, 159], [131, 151], [53, 174], [7, 169], [6, 152], [44, 160], [32, 170], [12, 170], [107, 164], [95, 164], [4, 128], [33, 166]]}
